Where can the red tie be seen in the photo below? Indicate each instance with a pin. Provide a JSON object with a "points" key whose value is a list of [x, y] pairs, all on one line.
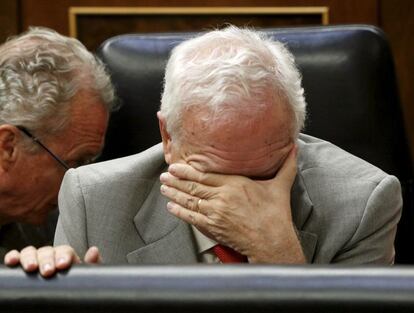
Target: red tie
{"points": [[228, 255]]}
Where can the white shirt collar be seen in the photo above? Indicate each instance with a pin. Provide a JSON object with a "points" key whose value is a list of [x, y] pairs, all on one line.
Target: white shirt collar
{"points": [[203, 242]]}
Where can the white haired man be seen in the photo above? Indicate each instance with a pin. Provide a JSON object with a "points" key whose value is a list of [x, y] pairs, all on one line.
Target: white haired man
{"points": [[55, 99], [242, 183]]}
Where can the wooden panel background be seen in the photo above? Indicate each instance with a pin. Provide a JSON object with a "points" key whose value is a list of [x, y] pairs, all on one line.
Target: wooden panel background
{"points": [[395, 17], [90, 24], [53, 13], [8, 19]]}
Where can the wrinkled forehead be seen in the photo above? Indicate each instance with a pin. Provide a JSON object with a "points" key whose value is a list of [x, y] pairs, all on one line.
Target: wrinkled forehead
{"points": [[266, 125], [254, 148]]}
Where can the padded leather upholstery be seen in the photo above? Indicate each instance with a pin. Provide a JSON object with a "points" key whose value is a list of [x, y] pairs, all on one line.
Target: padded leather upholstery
{"points": [[350, 87], [247, 289]]}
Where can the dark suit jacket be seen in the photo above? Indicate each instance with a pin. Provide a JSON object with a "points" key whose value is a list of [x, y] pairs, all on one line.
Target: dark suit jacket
{"points": [[17, 235]]}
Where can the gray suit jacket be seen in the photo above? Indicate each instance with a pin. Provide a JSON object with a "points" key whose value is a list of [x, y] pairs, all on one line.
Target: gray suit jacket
{"points": [[345, 209]]}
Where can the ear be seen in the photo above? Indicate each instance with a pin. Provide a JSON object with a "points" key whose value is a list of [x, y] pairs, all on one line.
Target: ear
{"points": [[9, 148], [166, 138]]}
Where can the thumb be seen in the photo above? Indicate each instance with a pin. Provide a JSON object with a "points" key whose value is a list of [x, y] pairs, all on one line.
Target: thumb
{"points": [[93, 256], [287, 172]]}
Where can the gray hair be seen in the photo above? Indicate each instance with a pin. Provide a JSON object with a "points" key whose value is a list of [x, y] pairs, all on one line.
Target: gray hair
{"points": [[228, 71], [41, 71]]}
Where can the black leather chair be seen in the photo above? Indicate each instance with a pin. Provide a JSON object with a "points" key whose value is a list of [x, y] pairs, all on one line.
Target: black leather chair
{"points": [[198, 289], [350, 86]]}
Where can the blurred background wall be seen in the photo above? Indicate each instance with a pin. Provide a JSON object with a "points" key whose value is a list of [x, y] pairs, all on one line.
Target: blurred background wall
{"points": [[92, 21]]}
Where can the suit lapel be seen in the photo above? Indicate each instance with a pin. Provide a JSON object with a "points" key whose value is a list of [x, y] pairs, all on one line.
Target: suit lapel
{"points": [[301, 211], [167, 239]]}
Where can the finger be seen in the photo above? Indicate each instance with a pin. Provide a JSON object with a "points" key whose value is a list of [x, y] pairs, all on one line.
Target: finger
{"points": [[93, 256], [46, 260], [185, 200], [287, 172], [188, 216], [187, 172], [12, 258], [189, 187], [65, 256], [28, 259]]}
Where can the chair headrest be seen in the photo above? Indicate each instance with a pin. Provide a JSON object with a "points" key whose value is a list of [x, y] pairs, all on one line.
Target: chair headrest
{"points": [[348, 76]]}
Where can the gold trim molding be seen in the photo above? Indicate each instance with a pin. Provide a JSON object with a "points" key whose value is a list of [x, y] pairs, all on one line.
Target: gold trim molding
{"points": [[75, 11]]}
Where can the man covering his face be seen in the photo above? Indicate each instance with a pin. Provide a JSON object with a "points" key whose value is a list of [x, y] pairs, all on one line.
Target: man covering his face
{"points": [[233, 181]]}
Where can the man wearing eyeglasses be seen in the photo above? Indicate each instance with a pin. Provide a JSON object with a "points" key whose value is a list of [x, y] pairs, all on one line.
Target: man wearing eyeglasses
{"points": [[242, 183], [55, 98]]}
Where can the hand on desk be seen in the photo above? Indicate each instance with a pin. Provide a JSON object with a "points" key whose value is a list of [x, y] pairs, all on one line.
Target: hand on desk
{"points": [[49, 260], [251, 216]]}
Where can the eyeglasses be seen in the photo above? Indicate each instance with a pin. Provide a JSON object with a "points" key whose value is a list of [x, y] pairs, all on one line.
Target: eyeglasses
{"points": [[28, 134]]}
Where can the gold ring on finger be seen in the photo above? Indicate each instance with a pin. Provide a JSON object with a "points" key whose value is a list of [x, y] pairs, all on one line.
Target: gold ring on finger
{"points": [[198, 205]]}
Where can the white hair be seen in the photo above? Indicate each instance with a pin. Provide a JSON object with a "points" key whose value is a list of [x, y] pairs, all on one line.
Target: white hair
{"points": [[231, 70], [41, 71]]}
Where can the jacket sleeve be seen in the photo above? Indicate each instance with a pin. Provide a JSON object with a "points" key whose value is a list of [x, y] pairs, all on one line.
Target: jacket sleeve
{"points": [[71, 227], [373, 241]]}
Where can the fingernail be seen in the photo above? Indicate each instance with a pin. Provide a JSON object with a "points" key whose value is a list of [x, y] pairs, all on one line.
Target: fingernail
{"points": [[61, 261], [163, 177], [163, 188], [170, 206], [30, 264], [46, 267], [9, 259], [172, 168]]}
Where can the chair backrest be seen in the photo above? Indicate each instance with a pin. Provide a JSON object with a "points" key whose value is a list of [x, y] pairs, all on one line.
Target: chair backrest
{"points": [[350, 87]]}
